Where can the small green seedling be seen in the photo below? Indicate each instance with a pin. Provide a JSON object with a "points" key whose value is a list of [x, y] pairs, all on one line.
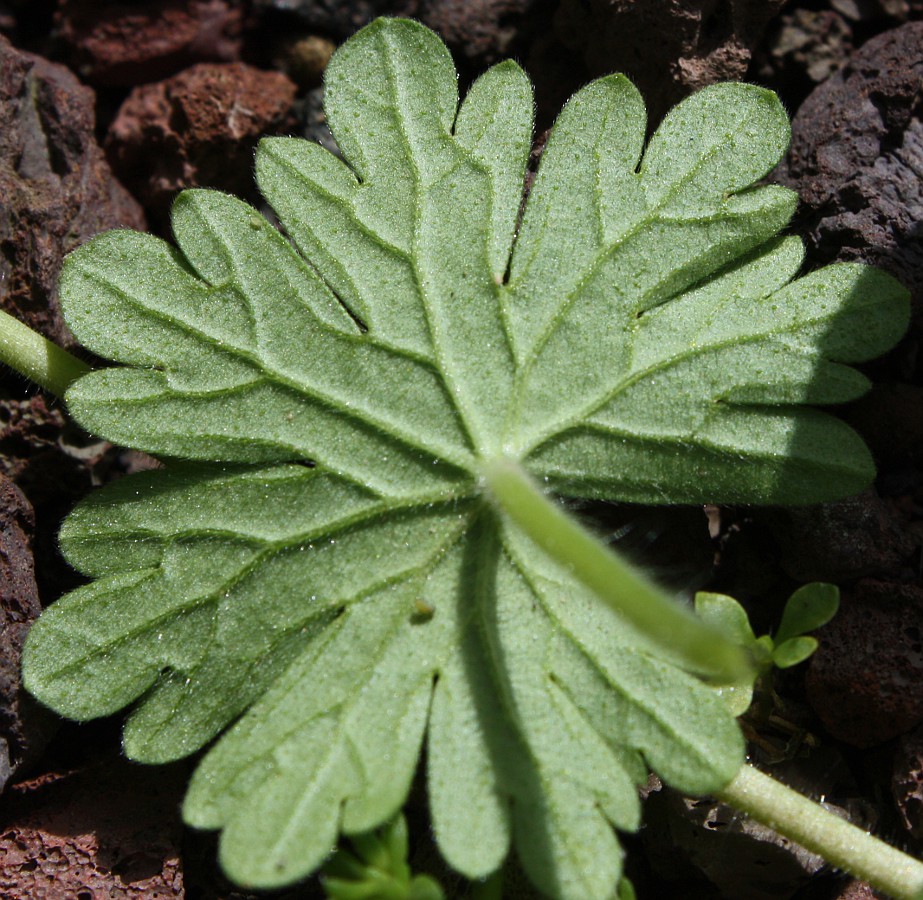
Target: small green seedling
{"points": [[350, 550], [377, 868], [808, 608]]}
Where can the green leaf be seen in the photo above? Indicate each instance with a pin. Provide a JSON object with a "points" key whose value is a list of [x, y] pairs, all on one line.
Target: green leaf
{"points": [[626, 890], [810, 607], [726, 613], [322, 580], [378, 869], [793, 651]]}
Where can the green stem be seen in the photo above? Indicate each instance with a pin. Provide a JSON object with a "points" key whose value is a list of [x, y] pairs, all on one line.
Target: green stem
{"points": [[628, 591], [839, 842], [39, 359]]}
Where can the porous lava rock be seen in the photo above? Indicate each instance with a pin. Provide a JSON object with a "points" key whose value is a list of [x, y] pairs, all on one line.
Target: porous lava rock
{"points": [[21, 731], [855, 890], [691, 42], [856, 159], [805, 46], [119, 43], [198, 128], [865, 681], [485, 31], [56, 185], [338, 18], [110, 830], [861, 536], [478, 31], [55, 464]]}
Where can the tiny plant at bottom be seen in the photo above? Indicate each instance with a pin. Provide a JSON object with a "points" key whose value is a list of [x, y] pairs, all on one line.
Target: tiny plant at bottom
{"points": [[810, 607], [351, 549], [376, 868]]}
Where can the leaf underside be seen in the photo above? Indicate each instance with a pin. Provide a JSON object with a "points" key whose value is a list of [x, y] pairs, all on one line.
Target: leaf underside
{"points": [[321, 572]]}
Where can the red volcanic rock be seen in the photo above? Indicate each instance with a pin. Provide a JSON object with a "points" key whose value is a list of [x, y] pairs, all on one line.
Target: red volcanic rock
{"points": [[695, 42], [866, 679], [56, 185], [20, 733], [112, 830], [484, 31], [119, 43], [859, 537], [197, 128], [856, 157], [481, 31], [805, 45], [339, 18]]}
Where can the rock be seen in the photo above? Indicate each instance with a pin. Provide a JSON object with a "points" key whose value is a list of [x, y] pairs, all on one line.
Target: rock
{"points": [[111, 830], [338, 18], [907, 781], [742, 857], [198, 128], [867, 10], [865, 681], [479, 31], [57, 188], [484, 31], [55, 464], [839, 542], [304, 58], [120, 43], [23, 728], [856, 890], [697, 42], [805, 46], [856, 157]]}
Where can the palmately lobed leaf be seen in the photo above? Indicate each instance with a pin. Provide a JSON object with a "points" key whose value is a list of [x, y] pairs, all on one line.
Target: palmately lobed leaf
{"points": [[320, 581]]}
